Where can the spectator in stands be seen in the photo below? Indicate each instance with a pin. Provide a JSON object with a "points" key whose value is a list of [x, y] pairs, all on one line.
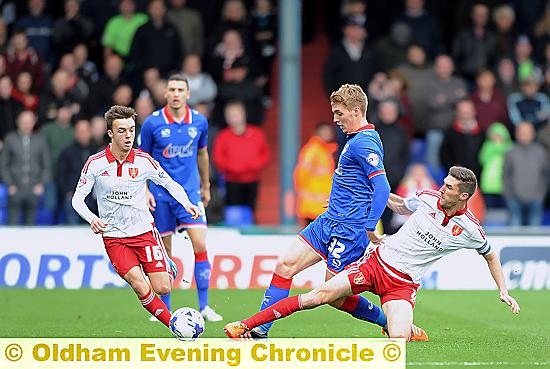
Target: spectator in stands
{"points": [[417, 178], [541, 34], [3, 37], [491, 158], [425, 30], [526, 171], [143, 107], [264, 30], [188, 22], [399, 86], [228, 51], [475, 48], [504, 18], [23, 92], [203, 87], [123, 96], [20, 57], [350, 60], [462, 141], [396, 149], [234, 17], [9, 109], [86, 69], [506, 77], [38, 27], [25, 165], [417, 72], [529, 104], [74, 28], [58, 135], [240, 154], [120, 29], [101, 92], [313, 173], [100, 140], [391, 51], [443, 91], [489, 102], [56, 95], [70, 163], [77, 87], [523, 58], [156, 43], [239, 86]]}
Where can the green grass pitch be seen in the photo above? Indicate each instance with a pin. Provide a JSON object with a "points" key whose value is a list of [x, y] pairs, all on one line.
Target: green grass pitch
{"points": [[466, 328]]}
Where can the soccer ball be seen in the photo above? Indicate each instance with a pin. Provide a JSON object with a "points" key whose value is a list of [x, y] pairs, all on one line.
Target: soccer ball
{"points": [[186, 324]]}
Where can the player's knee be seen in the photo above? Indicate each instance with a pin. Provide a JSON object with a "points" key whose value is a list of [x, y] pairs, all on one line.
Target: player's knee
{"points": [[285, 268], [162, 288], [199, 246]]}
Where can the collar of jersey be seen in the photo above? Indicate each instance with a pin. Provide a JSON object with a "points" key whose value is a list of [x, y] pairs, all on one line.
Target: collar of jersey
{"points": [[110, 157], [170, 119], [364, 128]]}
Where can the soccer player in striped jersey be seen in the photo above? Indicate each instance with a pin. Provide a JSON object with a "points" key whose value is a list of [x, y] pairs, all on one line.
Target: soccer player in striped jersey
{"points": [[119, 174], [439, 225]]}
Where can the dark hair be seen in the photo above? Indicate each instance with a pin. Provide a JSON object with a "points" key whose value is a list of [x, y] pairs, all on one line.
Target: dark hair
{"points": [[118, 112], [467, 178], [178, 77]]}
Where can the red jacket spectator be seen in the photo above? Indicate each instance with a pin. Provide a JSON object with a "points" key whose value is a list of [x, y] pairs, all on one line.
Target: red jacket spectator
{"points": [[241, 158]]}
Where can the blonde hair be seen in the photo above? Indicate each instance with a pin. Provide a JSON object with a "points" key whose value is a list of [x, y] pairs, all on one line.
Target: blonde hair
{"points": [[350, 96]]}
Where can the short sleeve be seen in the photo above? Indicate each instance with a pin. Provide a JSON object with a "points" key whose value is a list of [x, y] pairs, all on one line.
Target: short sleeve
{"points": [[203, 139]]}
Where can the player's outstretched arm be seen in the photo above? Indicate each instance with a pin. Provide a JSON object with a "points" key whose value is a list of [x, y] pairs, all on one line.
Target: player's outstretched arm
{"points": [[397, 204], [493, 262], [83, 188]]}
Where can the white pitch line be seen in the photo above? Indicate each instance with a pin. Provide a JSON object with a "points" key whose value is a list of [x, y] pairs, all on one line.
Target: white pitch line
{"points": [[479, 363]]}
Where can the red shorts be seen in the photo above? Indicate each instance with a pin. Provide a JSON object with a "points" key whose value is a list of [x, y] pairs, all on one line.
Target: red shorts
{"points": [[145, 249], [371, 273]]}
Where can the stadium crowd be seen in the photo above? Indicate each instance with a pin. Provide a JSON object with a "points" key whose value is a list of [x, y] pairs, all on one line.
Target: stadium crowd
{"points": [[472, 91]]}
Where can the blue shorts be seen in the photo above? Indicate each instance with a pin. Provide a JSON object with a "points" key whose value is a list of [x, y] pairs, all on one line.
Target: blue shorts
{"points": [[171, 215], [339, 244]]}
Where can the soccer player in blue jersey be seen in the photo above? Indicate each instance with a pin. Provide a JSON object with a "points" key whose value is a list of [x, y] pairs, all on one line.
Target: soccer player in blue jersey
{"points": [[176, 136], [359, 194]]}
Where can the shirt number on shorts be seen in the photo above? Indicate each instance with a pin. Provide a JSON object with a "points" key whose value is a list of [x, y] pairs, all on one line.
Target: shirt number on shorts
{"points": [[153, 253], [336, 248]]}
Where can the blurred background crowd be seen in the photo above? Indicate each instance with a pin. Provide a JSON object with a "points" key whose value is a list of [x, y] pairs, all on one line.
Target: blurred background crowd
{"points": [[454, 82]]}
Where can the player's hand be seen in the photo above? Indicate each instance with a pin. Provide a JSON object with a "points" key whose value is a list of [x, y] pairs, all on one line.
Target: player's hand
{"points": [[98, 226], [205, 195], [194, 210], [375, 238], [150, 199], [510, 301]]}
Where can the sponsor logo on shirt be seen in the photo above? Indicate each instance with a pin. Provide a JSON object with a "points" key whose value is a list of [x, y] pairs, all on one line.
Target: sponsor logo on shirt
{"points": [[182, 151], [430, 240], [118, 195]]}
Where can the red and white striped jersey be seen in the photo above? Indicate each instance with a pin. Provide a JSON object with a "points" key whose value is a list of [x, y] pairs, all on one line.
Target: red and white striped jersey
{"points": [[120, 191], [429, 234]]}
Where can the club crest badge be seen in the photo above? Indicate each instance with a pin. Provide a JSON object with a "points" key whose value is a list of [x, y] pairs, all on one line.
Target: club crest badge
{"points": [[192, 131], [457, 230], [133, 172]]}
